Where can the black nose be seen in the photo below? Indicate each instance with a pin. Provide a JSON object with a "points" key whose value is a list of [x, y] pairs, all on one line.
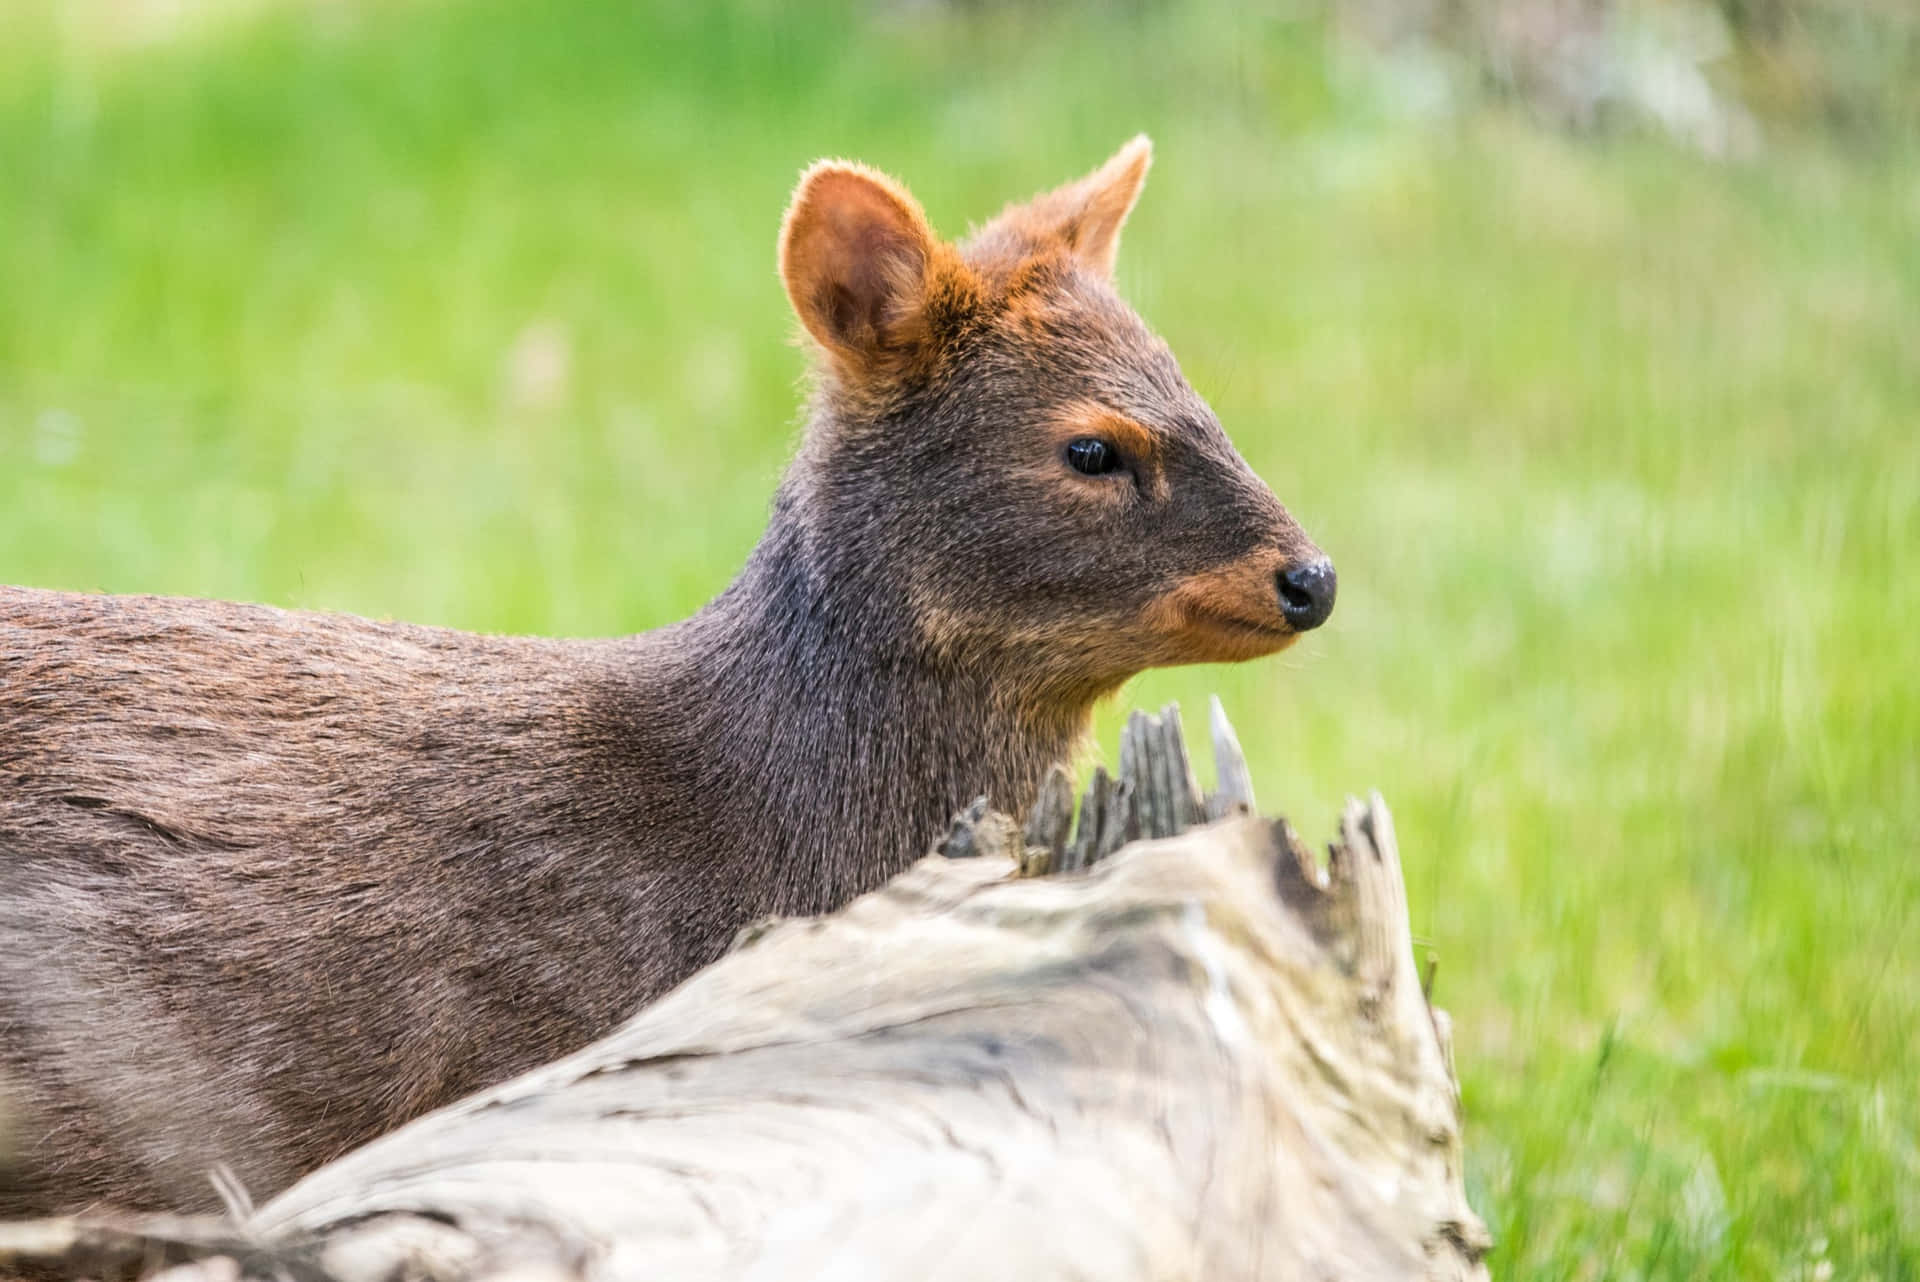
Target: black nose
{"points": [[1306, 594]]}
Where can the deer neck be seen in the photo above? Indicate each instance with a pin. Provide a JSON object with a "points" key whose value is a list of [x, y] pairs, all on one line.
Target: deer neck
{"points": [[847, 742]]}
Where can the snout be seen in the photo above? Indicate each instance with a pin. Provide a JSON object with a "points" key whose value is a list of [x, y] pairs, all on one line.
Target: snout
{"points": [[1306, 594]]}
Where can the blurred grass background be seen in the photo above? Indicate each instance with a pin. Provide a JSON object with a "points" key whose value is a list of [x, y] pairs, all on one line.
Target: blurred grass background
{"points": [[464, 312]]}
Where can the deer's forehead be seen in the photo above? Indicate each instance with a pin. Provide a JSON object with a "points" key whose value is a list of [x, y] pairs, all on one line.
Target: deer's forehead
{"points": [[1078, 331]]}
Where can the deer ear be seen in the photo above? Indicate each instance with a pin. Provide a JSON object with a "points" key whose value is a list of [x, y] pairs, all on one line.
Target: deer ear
{"points": [[1087, 215], [856, 256]]}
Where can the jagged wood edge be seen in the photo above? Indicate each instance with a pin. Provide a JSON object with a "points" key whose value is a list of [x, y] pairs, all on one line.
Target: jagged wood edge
{"points": [[1358, 898], [1153, 794]]}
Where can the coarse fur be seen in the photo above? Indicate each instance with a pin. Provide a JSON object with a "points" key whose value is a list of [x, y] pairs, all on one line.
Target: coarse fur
{"points": [[274, 882]]}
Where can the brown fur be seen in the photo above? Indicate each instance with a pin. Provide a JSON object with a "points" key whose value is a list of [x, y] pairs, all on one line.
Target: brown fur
{"points": [[274, 882]]}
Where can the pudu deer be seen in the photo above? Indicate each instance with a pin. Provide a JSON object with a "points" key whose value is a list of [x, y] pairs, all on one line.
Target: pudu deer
{"points": [[273, 882]]}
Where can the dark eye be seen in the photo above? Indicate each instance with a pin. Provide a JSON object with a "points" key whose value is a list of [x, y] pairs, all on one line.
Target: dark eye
{"points": [[1093, 456]]}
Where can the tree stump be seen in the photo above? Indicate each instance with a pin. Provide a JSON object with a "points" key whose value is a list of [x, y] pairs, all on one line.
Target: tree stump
{"points": [[1161, 1043]]}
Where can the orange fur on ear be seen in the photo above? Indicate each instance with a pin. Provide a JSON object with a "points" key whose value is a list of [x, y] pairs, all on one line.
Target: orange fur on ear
{"points": [[856, 256], [1086, 216]]}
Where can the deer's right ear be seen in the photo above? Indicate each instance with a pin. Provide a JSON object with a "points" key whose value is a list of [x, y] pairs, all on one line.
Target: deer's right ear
{"points": [[857, 258]]}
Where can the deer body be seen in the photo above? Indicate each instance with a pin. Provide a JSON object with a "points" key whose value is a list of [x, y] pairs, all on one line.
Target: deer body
{"points": [[272, 883], [429, 859]]}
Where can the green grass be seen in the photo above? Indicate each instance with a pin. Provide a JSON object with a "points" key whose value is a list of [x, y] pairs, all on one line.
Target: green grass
{"points": [[1618, 452]]}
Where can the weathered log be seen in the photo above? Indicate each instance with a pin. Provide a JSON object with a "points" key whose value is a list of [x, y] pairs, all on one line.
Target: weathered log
{"points": [[1198, 1055]]}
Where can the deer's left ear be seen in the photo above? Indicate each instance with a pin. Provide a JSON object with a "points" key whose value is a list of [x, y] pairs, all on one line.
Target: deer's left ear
{"points": [[1087, 215]]}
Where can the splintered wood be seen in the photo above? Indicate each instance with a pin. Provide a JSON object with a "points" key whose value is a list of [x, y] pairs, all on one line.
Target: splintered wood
{"points": [[1128, 1048]]}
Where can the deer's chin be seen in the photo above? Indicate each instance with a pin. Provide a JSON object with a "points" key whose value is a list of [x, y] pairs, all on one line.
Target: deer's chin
{"points": [[1212, 637]]}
